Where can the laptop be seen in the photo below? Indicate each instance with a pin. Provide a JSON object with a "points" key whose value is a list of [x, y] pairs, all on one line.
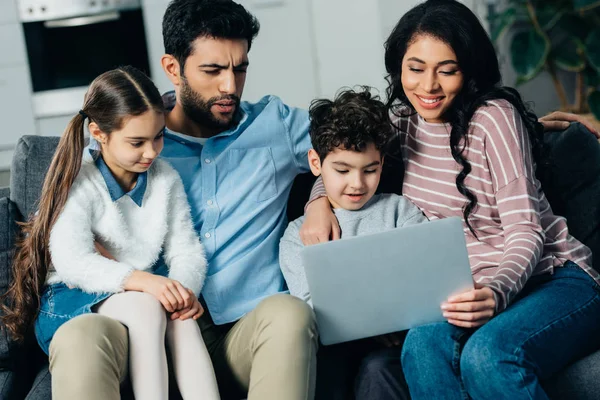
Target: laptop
{"points": [[386, 282]]}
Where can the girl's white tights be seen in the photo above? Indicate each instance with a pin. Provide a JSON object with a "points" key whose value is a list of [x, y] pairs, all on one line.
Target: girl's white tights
{"points": [[147, 323]]}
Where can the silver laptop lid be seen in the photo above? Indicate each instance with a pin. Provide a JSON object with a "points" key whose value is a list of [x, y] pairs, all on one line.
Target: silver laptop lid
{"points": [[386, 282]]}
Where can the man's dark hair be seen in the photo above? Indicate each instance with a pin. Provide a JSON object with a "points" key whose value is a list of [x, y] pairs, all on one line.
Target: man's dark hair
{"points": [[187, 20], [350, 122]]}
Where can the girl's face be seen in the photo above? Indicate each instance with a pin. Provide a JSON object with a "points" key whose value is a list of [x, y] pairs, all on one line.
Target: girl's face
{"points": [[134, 147], [431, 77]]}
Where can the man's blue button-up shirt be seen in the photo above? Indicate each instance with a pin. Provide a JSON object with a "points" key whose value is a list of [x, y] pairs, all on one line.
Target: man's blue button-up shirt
{"points": [[237, 184]]}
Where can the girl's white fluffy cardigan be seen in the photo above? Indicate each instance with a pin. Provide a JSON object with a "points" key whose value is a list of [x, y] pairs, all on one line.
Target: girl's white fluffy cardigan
{"points": [[133, 235]]}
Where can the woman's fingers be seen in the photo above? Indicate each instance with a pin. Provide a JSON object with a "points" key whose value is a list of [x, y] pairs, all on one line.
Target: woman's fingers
{"points": [[468, 324], [469, 316], [471, 306]]}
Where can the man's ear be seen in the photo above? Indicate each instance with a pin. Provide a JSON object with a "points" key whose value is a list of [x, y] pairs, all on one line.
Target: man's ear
{"points": [[314, 161], [172, 68], [96, 133]]}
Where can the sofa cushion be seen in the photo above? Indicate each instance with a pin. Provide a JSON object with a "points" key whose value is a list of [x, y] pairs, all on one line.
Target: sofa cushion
{"points": [[31, 160], [579, 381], [571, 183], [9, 215]]}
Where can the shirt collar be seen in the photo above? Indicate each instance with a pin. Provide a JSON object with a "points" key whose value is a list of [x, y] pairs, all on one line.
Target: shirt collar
{"points": [[241, 116], [115, 190]]}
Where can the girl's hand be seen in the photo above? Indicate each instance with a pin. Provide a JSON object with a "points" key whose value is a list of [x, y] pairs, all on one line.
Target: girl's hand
{"points": [[320, 223], [103, 252], [471, 309], [171, 294], [194, 311]]}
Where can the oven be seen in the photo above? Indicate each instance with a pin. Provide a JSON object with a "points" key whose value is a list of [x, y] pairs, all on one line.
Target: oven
{"points": [[70, 42]]}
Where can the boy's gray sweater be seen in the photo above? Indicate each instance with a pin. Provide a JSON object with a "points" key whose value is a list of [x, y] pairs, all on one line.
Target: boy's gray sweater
{"points": [[381, 213]]}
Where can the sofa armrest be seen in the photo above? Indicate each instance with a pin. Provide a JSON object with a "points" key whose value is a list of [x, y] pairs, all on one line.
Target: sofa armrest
{"points": [[4, 192], [9, 216]]}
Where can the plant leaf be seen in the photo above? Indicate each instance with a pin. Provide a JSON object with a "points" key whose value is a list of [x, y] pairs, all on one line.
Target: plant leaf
{"points": [[592, 48], [594, 103], [584, 5], [502, 21], [574, 25], [529, 50], [569, 55], [548, 15], [591, 77]]}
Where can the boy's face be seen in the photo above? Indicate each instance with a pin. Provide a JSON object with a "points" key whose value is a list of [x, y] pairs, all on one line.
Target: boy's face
{"points": [[350, 177]]}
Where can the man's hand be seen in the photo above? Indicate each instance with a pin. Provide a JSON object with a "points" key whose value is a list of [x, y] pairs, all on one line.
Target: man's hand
{"points": [[470, 309], [559, 120], [194, 311], [320, 223]]}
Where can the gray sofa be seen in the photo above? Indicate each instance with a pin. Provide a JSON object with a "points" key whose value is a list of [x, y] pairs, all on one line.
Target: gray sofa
{"points": [[572, 184]]}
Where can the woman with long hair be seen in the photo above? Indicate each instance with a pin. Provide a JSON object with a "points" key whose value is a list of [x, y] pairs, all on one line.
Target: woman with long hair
{"points": [[470, 149], [95, 243]]}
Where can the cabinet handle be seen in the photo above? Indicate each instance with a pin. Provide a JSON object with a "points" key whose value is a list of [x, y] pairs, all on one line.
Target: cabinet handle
{"points": [[81, 21]]}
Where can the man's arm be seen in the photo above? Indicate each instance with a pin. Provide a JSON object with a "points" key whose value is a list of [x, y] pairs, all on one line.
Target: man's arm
{"points": [[296, 122]]}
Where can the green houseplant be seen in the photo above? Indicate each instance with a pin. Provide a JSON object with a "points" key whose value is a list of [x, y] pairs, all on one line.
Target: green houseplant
{"points": [[555, 35]]}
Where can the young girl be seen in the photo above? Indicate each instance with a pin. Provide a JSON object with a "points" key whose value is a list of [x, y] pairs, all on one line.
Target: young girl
{"points": [[102, 226], [469, 147]]}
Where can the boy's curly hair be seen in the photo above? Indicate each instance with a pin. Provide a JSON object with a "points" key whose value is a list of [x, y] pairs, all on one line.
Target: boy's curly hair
{"points": [[350, 122]]}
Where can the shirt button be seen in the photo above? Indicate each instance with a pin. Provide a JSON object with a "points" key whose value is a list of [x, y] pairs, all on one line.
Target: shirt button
{"points": [[207, 235], [209, 202], [207, 160]]}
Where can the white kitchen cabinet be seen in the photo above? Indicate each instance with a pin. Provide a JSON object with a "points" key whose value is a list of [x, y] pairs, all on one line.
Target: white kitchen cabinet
{"points": [[12, 45], [53, 126], [8, 12], [16, 111]]}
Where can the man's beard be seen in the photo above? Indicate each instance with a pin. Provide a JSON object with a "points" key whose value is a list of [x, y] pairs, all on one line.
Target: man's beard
{"points": [[199, 110]]}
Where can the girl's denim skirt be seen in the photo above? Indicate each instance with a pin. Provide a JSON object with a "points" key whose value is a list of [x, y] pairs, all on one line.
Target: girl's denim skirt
{"points": [[59, 304]]}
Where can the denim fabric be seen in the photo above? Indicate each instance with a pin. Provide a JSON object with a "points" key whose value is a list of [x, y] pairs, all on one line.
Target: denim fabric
{"points": [[552, 323], [59, 304], [114, 188]]}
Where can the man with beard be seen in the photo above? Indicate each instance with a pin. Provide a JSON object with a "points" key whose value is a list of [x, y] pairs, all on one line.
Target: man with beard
{"points": [[237, 161]]}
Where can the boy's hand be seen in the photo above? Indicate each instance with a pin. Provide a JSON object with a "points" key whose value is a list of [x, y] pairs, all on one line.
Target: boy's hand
{"points": [[470, 309], [194, 311], [320, 223]]}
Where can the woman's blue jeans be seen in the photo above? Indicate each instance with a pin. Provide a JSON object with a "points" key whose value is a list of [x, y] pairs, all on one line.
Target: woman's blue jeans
{"points": [[554, 321]]}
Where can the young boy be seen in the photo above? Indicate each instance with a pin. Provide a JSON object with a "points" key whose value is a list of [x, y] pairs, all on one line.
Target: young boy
{"points": [[349, 137]]}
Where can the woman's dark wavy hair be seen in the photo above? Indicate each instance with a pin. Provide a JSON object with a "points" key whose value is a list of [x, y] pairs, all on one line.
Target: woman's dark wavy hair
{"points": [[187, 20], [454, 24], [350, 121]]}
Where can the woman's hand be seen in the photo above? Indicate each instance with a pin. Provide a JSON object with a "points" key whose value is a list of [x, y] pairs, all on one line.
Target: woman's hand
{"points": [[320, 224], [194, 311], [559, 120], [470, 309], [171, 294]]}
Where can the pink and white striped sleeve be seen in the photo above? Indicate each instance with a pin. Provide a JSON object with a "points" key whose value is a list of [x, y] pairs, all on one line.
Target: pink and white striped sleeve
{"points": [[511, 166]]}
